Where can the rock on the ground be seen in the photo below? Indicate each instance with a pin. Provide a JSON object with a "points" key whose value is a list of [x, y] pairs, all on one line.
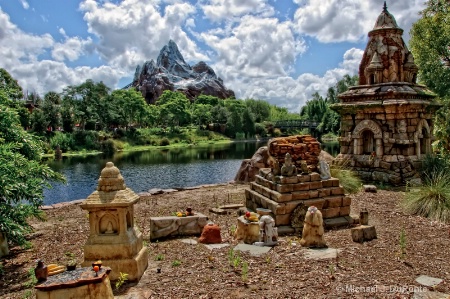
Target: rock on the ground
{"points": [[250, 167], [210, 234], [171, 72], [363, 233]]}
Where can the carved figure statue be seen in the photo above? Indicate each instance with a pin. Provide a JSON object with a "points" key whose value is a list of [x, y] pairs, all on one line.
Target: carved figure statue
{"points": [[41, 271], [312, 235], [268, 231], [324, 169], [288, 169], [304, 166], [109, 228]]}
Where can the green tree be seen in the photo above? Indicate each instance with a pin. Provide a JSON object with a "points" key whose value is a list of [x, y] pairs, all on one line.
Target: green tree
{"points": [[248, 123], [51, 109], [174, 108], [39, 123], [259, 108], [430, 45], [22, 176], [12, 89], [201, 114]]}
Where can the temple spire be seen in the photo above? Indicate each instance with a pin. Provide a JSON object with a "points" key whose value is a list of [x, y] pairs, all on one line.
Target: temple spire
{"points": [[385, 7]]}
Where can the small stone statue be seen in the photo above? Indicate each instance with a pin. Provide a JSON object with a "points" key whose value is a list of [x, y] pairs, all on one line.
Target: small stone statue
{"points": [[109, 228], [288, 169], [312, 235], [268, 232], [304, 166], [41, 271], [324, 169]]}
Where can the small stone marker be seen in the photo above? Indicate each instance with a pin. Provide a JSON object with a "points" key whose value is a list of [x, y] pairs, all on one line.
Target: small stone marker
{"points": [[321, 253], [428, 281], [252, 249], [216, 246], [430, 295], [363, 233], [370, 188], [231, 206], [189, 241]]}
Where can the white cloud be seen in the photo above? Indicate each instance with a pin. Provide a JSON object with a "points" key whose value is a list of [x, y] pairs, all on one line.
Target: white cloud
{"points": [[71, 49], [20, 54], [219, 10], [133, 31], [25, 4], [293, 93], [349, 20], [256, 47]]}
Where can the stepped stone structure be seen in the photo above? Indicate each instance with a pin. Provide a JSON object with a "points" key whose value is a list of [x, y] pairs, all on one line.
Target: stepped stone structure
{"points": [[288, 196], [114, 239], [386, 121]]}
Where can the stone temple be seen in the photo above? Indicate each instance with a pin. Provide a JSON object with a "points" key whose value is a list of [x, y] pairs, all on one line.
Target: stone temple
{"points": [[387, 120]]}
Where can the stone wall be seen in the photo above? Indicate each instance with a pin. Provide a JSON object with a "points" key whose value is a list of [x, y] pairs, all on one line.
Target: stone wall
{"points": [[300, 147], [285, 194]]}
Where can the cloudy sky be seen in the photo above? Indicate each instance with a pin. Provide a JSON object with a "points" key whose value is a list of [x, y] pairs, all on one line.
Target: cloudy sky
{"points": [[277, 50]]}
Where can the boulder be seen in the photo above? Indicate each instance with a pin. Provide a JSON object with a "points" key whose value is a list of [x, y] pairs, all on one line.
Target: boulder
{"points": [[250, 167], [210, 234]]}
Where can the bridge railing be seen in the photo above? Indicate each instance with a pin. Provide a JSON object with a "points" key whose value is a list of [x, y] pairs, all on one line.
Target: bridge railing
{"points": [[295, 123]]}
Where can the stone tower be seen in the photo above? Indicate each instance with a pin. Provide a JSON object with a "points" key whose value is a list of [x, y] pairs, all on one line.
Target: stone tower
{"points": [[114, 239], [387, 120]]}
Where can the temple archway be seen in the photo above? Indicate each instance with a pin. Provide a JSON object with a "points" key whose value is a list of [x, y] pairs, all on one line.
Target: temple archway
{"points": [[367, 137], [422, 137]]}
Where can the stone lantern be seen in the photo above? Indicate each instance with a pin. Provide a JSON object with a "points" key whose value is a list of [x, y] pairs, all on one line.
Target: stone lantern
{"points": [[114, 239]]}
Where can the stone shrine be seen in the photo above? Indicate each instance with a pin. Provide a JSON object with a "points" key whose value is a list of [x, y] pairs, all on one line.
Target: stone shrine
{"points": [[387, 120], [288, 197], [114, 239]]}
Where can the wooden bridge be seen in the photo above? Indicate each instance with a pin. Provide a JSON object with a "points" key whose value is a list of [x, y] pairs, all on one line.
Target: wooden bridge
{"points": [[295, 124]]}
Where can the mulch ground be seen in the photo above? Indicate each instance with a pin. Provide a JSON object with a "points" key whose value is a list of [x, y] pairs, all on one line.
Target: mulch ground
{"points": [[374, 269]]}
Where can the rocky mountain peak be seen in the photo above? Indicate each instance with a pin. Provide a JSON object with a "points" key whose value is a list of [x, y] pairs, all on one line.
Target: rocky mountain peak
{"points": [[171, 72]]}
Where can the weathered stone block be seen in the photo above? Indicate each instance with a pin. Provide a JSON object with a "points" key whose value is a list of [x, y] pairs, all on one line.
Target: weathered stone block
{"points": [[327, 183], [301, 187], [300, 195], [304, 178], [344, 211], [247, 231], [335, 182], [284, 219], [284, 188], [313, 193], [315, 185], [280, 197], [346, 201], [315, 176], [385, 165], [337, 191], [333, 202], [288, 179], [330, 212], [323, 192], [363, 233], [317, 202]]}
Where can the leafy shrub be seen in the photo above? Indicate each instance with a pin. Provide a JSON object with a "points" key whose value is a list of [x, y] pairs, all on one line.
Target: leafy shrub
{"points": [[240, 136], [86, 139], [164, 141], [432, 198], [260, 129], [108, 146], [276, 132], [65, 141], [349, 180]]}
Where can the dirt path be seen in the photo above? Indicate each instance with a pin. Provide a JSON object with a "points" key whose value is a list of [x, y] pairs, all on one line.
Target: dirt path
{"points": [[374, 269]]}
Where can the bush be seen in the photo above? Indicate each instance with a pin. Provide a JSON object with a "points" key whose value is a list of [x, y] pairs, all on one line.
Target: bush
{"points": [[260, 129], [108, 146], [349, 180], [240, 136], [432, 198], [164, 141], [87, 139], [276, 132], [65, 141]]}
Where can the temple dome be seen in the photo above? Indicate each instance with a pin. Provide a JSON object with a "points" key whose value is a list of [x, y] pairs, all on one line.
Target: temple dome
{"points": [[385, 20]]}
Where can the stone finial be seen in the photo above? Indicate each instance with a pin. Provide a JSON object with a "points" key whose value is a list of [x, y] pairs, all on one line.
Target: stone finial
{"points": [[385, 7], [110, 179]]}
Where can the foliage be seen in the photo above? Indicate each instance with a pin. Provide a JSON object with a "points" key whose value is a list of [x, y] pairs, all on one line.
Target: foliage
{"points": [[432, 198], [430, 40], [176, 263], [121, 280], [349, 180], [244, 271], [164, 141], [12, 89], [159, 257], [22, 176], [173, 108], [70, 258], [65, 141], [32, 280]]}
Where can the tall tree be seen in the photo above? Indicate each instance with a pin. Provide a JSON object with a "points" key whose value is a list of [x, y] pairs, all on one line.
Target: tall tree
{"points": [[22, 175], [430, 45]]}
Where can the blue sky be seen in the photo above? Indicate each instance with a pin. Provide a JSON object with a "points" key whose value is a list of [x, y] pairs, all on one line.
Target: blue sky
{"points": [[277, 50]]}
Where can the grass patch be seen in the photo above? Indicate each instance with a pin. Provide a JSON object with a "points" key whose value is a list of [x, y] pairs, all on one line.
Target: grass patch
{"points": [[432, 198], [349, 180]]}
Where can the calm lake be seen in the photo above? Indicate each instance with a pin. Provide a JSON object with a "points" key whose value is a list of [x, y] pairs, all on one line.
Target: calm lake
{"points": [[156, 168]]}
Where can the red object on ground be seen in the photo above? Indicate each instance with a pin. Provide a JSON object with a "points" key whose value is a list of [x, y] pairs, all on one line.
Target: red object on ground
{"points": [[210, 235]]}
